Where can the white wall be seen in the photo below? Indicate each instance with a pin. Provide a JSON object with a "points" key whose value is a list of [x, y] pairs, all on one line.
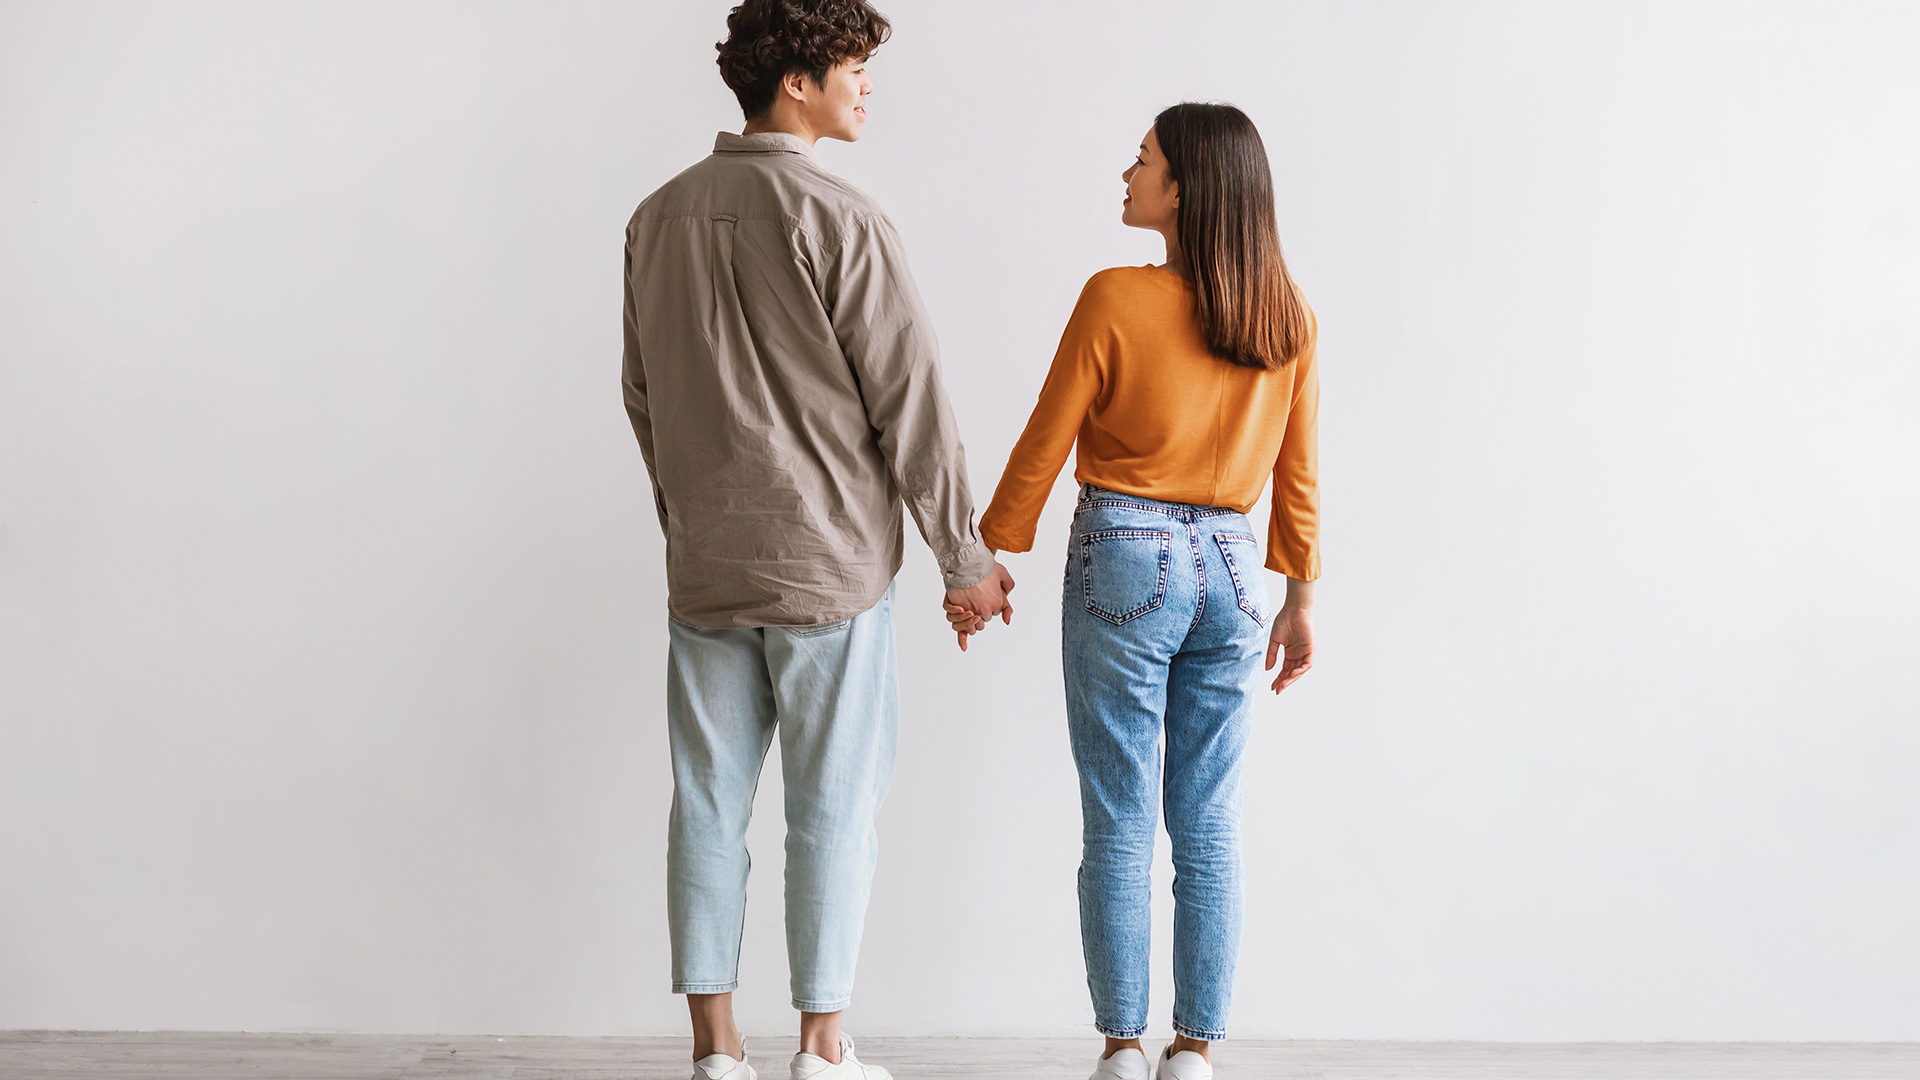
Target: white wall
{"points": [[330, 599]]}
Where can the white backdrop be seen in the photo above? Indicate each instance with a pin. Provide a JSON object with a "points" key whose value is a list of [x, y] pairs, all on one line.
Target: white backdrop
{"points": [[331, 635]]}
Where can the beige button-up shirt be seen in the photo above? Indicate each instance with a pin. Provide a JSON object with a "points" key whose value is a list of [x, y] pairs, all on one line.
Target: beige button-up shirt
{"points": [[784, 384]]}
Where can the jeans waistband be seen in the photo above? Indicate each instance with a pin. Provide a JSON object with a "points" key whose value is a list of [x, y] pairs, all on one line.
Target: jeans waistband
{"points": [[1091, 496]]}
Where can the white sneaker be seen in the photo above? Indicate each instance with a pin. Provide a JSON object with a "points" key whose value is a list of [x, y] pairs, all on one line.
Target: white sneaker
{"points": [[1185, 1065], [722, 1067], [1125, 1064], [809, 1067]]}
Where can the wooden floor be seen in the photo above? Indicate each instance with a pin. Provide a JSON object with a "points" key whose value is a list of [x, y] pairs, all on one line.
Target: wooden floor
{"points": [[69, 1055]]}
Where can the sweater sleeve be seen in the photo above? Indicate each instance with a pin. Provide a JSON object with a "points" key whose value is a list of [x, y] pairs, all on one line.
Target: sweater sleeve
{"points": [[1079, 372], [1293, 537]]}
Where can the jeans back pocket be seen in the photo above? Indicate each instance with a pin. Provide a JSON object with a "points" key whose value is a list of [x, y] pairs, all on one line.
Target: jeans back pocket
{"points": [[1124, 571], [1241, 553]]}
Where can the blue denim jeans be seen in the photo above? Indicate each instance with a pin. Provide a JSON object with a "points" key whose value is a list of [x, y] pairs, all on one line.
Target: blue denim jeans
{"points": [[831, 692], [1161, 632]]}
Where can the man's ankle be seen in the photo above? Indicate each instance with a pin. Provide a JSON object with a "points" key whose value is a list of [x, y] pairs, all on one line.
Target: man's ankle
{"points": [[820, 1036], [714, 1031]]}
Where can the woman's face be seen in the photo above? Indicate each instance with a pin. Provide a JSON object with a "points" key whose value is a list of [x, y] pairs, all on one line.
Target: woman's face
{"points": [[1152, 199]]}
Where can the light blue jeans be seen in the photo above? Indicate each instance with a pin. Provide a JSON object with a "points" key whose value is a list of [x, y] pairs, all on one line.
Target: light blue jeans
{"points": [[832, 694], [1161, 631]]}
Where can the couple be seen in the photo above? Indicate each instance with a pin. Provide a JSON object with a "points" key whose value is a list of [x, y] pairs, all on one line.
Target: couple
{"points": [[782, 380]]}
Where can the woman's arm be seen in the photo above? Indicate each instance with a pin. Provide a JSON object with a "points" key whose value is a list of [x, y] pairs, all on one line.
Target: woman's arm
{"points": [[1074, 380], [1293, 536], [1293, 634]]}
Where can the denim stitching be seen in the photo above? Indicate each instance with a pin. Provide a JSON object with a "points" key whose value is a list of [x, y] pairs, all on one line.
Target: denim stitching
{"points": [[1183, 511], [1187, 515], [818, 631], [1128, 504], [1087, 540], [1200, 568], [1233, 571]]}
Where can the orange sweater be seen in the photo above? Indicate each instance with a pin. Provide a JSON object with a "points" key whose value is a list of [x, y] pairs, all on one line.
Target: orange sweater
{"points": [[1158, 415]]}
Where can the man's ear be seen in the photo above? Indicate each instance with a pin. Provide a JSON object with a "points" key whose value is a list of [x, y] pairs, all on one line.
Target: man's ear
{"points": [[793, 84]]}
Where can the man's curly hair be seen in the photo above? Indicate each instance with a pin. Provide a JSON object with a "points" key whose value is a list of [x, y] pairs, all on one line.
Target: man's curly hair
{"points": [[769, 39]]}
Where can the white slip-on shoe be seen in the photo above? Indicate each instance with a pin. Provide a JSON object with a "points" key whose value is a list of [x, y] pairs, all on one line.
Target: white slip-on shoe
{"points": [[1126, 1064], [722, 1067], [809, 1067], [1185, 1065]]}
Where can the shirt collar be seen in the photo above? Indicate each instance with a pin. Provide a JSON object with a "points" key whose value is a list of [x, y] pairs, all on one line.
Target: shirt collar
{"points": [[765, 142]]}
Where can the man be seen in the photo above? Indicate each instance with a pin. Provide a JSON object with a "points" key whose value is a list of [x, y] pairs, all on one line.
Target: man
{"points": [[783, 383]]}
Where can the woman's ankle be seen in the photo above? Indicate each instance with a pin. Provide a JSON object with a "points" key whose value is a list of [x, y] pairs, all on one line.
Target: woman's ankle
{"points": [[1114, 1046], [1183, 1044]]}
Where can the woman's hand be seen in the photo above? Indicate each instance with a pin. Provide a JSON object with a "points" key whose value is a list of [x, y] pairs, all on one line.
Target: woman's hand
{"points": [[965, 623], [1292, 634]]}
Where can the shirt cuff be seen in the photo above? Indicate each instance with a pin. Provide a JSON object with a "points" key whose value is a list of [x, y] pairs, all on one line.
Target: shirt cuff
{"points": [[967, 567]]}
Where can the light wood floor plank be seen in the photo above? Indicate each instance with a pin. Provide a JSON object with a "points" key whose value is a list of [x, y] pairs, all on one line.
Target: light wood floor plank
{"points": [[62, 1055]]}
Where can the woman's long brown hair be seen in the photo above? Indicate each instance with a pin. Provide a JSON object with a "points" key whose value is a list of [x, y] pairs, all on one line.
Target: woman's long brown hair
{"points": [[1250, 312]]}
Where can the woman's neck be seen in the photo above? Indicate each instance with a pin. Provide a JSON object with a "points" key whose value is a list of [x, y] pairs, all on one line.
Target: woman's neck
{"points": [[1176, 259]]}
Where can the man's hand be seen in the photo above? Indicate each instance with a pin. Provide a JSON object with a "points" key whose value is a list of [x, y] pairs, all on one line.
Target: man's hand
{"points": [[969, 610]]}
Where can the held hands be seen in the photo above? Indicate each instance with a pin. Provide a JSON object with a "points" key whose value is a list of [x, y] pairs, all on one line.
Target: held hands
{"points": [[969, 610]]}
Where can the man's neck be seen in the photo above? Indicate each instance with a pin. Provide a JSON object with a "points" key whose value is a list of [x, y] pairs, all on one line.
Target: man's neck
{"points": [[773, 121]]}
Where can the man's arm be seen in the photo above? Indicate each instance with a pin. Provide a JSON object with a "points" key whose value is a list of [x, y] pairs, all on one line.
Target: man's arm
{"points": [[884, 332], [633, 383]]}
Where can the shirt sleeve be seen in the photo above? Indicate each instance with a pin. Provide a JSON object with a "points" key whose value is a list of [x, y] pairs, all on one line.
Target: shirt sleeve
{"points": [[1075, 380], [633, 384], [886, 337], [1293, 537]]}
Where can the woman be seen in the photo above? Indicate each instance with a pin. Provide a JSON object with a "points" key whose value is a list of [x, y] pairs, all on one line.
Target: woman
{"points": [[1186, 385]]}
